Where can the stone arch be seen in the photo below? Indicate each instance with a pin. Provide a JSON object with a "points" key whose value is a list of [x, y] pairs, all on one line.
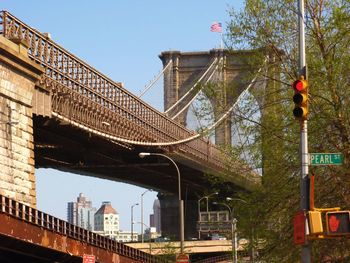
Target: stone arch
{"points": [[246, 131], [200, 115], [188, 66]]}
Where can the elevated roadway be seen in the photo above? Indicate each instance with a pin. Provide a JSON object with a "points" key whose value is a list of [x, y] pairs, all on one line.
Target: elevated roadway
{"points": [[190, 247]]}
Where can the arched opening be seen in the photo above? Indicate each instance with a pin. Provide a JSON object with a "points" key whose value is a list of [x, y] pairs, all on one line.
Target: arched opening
{"points": [[200, 115], [246, 131]]}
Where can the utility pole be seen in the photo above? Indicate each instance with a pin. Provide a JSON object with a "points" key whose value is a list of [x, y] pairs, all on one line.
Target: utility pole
{"points": [[304, 182]]}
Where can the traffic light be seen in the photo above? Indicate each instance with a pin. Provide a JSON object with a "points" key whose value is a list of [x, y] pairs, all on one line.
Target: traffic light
{"points": [[300, 98], [338, 222]]}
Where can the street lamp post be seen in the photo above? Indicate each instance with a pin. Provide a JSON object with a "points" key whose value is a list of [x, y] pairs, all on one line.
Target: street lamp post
{"points": [[234, 223], [148, 190], [132, 221], [233, 232], [199, 208], [150, 235], [234, 239], [181, 206]]}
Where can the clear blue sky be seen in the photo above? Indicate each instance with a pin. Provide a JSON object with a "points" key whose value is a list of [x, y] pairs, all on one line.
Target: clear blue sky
{"points": [[122, 39]]}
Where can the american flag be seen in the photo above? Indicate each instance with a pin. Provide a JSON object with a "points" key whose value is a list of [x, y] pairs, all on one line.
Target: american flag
{"points": [[216, 27]]}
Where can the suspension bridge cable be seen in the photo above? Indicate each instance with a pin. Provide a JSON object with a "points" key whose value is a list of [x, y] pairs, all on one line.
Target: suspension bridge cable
{"points": [[123, 140], [155, 79], [195, 112], [134, 142], [215, 70], [195, 96], [225, 115], [188, 92]]}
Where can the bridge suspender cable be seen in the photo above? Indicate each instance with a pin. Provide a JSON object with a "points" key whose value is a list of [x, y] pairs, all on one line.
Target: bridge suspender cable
{"points": [[191, 138], [215, 70], [156, 78], [188, 92], [225, 115], [191, 105], [195, 96]]}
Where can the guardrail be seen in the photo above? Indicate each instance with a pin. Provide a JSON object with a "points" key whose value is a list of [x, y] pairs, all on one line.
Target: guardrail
{"points": [[33, 216]]}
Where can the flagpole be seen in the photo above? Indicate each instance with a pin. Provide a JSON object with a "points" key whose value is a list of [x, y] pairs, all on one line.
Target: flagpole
{"points": [[222, 41], [216, 27]]}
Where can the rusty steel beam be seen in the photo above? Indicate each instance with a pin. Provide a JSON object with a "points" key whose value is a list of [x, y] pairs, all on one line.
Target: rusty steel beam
{"points": [[48, 235], [48, 240]]}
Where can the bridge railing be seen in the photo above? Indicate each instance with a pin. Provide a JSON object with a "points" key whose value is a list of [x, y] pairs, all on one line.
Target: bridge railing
{"points": [[86, 87], [33, 216]]}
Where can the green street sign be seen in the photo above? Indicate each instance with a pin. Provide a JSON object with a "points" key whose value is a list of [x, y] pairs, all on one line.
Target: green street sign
{"points": [[326, 158]]}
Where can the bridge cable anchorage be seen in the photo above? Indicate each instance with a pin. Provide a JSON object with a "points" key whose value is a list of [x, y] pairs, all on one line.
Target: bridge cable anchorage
{"points": [[195, 96], [189, 91], [188, 139], [155, 79]]}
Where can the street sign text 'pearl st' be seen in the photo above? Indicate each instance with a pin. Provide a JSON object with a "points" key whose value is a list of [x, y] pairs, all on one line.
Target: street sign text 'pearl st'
{"points": [[326, 158]]}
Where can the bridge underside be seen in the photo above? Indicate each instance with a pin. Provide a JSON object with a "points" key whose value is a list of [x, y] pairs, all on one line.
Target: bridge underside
{"points": [[61, 146]]}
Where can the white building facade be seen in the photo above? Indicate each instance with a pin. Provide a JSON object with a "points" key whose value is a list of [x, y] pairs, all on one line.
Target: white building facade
{"points": [[107, 224], [106, 221]]}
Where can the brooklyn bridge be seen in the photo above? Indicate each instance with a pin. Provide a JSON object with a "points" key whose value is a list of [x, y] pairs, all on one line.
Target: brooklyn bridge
{"points": [[71, 117]]}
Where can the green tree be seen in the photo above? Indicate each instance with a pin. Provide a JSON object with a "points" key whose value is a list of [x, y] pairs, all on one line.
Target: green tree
{"points": [[271, 28]]}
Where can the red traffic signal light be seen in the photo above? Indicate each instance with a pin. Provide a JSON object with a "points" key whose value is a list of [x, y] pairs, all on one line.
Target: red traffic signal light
{"points": [[338, 222], [300, 98], [300, 84]]}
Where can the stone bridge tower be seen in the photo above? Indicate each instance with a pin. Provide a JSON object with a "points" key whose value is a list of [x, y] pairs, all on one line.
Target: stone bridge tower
{"points": [[20, 98], [186, 68]]}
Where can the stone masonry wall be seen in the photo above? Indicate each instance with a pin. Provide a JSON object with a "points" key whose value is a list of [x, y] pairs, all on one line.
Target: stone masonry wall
{"points": [[17, 81]]}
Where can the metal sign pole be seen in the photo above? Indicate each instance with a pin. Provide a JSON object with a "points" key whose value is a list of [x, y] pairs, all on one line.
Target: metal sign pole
{"points": [[304, 185]]}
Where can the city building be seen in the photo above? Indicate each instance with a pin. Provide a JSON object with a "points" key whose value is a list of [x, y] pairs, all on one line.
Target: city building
{"points": [[81, 212], [107, 224], [106, 220], [155, 217], [125, 236], [151, 234], [213, 223]]}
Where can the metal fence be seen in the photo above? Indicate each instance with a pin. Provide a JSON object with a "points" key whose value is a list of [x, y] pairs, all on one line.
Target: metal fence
{"points": [[35, 217]]}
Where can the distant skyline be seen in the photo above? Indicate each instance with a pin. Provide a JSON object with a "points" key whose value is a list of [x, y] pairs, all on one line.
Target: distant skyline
{"points": [[121, 39], [122, 196]]}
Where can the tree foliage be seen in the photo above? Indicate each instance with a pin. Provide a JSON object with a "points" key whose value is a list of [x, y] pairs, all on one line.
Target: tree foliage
{"points": [[272, 28]]}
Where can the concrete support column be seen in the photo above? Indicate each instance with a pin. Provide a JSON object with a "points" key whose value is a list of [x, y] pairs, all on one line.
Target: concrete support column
{"points": [[18, 75], [169, 207]]}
